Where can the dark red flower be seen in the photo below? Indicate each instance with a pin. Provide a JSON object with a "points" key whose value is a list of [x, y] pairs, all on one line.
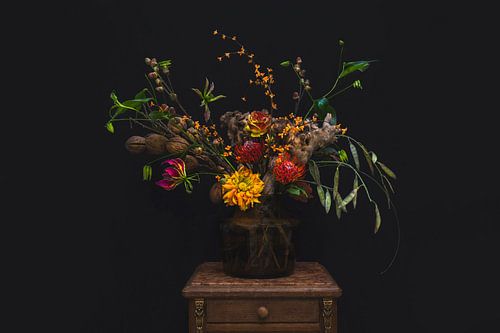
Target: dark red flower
{"points": [[249, 152], [286, 170]]}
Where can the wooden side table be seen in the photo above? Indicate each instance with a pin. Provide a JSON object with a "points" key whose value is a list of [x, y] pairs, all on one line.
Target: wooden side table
{"points": [[304, 302]]}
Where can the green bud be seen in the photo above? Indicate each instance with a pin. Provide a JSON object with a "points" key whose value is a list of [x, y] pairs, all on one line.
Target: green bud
{"points": [[109, 127], [285, 63], [341, 42]]}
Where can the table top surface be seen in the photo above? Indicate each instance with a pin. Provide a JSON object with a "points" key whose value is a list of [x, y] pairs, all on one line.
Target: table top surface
{"points": [[310, 279]]}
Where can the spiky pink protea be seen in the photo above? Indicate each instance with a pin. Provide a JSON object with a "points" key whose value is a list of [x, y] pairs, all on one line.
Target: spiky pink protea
{"points": [[249, 152]]}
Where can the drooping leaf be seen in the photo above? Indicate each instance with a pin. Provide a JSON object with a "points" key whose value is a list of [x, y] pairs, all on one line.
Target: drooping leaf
{"points": [[367, 158], [388, 171], [355, 185], [338, 201], [213, 99], [336, 181], [321, 195], [314, 171], [109, 127], [378, 219], [388, 182], [352, 66], [374, 157], [354, 153], [328, 201], [349, 197]]}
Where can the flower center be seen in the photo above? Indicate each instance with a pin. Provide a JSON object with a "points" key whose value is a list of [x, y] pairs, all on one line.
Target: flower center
{"points": [[242, 186]]}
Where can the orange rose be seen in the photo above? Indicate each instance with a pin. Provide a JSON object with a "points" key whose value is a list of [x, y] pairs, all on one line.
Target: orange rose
{"points": [[258, 123]]}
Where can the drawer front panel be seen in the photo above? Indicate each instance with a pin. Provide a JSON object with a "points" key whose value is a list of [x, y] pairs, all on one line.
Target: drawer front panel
{"points": [[263, 310]]}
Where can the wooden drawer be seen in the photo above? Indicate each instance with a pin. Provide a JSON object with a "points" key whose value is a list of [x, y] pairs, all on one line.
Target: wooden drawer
{"points": [[285, 310]]}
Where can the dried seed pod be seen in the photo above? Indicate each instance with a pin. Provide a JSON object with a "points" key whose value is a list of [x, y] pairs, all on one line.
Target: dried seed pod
{"points": [[198, 151], [155, 144], [136, 144], [177, 125], [215, 193], [191, 162], [176, 145]]}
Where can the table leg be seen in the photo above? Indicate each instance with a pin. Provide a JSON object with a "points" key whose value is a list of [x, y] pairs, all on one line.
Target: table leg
{"points": [[329, 315]]}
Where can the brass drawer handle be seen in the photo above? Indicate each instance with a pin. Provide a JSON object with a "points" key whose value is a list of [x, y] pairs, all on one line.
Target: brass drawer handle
{"points": [[262, 312]]}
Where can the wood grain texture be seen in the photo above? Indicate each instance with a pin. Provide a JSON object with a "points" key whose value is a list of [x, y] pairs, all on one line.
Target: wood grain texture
{"points": [[310, 279], [305, 302], [268, 328], [283, 310]]}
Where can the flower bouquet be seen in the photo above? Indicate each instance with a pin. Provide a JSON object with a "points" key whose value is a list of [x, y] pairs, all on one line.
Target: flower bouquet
{"points": [[261, 157]]}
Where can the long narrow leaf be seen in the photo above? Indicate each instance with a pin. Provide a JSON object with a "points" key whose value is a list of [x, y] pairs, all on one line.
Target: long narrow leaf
{"points": [[367, 158], [354, 153], [355, 185], [349, 197], [336, 180], [314, 171], [378, 219], [337, 199], [321, 195], [328, 201], [388, 171]]}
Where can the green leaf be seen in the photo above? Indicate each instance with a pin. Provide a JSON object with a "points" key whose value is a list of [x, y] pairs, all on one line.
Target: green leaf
{"points": [[296, 190], [336, 181], [213, 99], [165, 64], [388, 182], [355, 185], [157, 115], [321, 195], [314, 171], [388, 171], [354, 153], [349, 197], [367, 158], [132, 104], [374, 157], [286, 63], [378, 219], [328, 201], [147, 172], [322, 107], [343, 156], [352, 66], [338, 200], [109, 127]]}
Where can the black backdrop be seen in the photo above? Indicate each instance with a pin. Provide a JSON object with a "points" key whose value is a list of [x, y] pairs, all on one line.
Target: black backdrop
{"points": [[121, 250]]}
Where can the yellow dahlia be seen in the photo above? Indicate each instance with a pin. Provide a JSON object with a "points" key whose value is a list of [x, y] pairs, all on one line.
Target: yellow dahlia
{"points": [[242, 188]]}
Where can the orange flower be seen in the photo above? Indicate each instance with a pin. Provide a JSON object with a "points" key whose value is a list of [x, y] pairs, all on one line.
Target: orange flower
{"points": [[258, 123]]}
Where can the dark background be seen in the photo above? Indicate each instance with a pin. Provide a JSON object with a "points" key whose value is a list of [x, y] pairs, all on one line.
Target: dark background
{"points": [[119, 250]]}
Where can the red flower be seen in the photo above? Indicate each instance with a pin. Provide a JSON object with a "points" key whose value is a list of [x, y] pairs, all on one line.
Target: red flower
{"points": [[249, 152], [286, 170]]}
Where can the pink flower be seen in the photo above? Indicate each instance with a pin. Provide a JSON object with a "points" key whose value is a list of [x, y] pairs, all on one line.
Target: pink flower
{"points": [[173, 175]]}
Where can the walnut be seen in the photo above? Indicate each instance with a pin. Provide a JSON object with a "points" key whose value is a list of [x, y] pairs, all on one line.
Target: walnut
{"points": [[136, 144], [176, 145], [155, 144]]}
